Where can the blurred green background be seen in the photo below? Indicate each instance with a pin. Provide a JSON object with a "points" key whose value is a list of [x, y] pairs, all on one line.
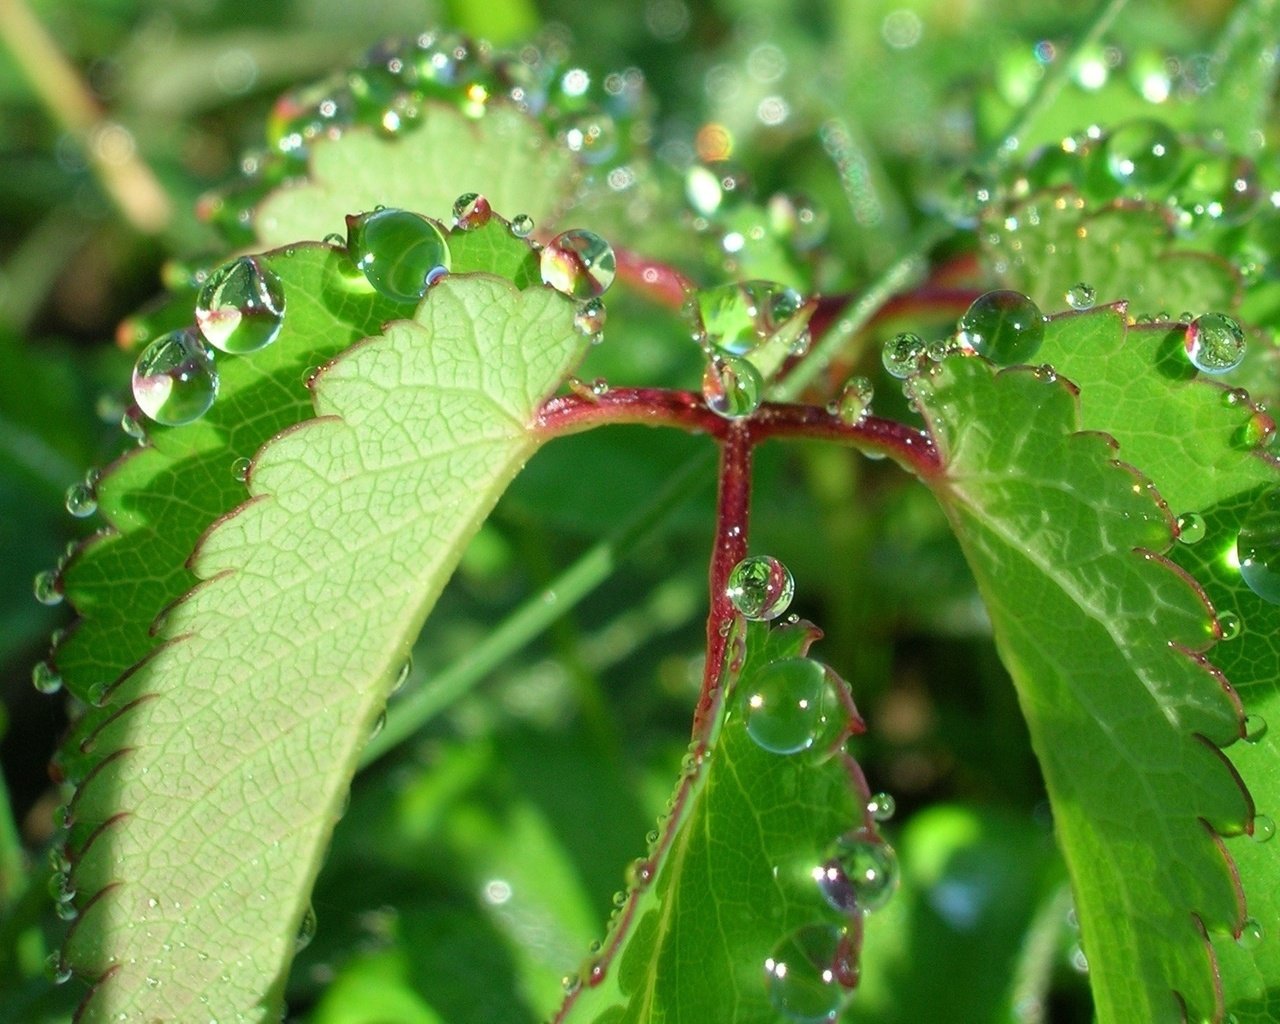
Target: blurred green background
{"points": [[479, 860]]}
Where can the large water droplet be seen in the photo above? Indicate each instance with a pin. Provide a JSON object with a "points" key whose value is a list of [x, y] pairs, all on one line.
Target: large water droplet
{"points": [[1004, 326], [860, 873], [902, 354], [732, 387], [81, 500], [1258, 547], [47, 587], [579, 263], [175, 380], [399, 252], [1215, 343], [808, 974], [760, 588], [471, 210], [241, 306], [45, 678], [1142, 153], [792, 705], [735, 318], [1081, 295]]}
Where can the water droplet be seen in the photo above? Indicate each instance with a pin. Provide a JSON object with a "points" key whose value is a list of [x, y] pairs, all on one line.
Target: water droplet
{"points": [[471, 210], [1255, 727], [808, 974], [1079, 962], [1259, 431], [240, 309], [760, 588], [736, 318], [1251, 934], [99, 694], [47, 587], [589, 317], [1004, 326], [1230, 625], [854, 404], [379, 724], [335, 239], [1235, 397], [175, 380], [1215, 343], [593, 136], [732, 387], [1081, 295], [58, 970], [881, 806], [570, 983], [45, 678], [397, 251], [860, 873], [402, 675], [578, 263], [60, 887], [306, 930], [1191, 528], [522, 225], [902, 354], [81, 500], [1258, 547], [1142, 153], [132, 426], [792, 705], [1217, 187], [1264, 828], [240, 470]]}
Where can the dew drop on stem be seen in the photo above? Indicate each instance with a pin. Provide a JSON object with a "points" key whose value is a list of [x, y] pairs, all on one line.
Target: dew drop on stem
{"points": [[854, 404], [732, 387], [760, 587]]}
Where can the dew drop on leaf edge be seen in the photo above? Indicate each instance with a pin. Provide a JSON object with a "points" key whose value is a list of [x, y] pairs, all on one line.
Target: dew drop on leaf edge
{"points": [[1081, 296], [1191, 528], [46, 587], [45, 678], [175, 380], [732, 387], [791, 705], [1004, 326], [81, 501], [860, 873], [240, 308], [471, 210], [399, 253], [1258, 547], [1215, 343], [809, 972], [760, 587], [578, 263]]}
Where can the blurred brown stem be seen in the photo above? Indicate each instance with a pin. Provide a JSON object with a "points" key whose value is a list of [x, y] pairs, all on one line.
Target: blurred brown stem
{"points": [[124, 177]]}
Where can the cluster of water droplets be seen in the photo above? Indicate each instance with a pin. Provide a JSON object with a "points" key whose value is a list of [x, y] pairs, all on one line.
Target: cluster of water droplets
{"points": [[603, 119]]}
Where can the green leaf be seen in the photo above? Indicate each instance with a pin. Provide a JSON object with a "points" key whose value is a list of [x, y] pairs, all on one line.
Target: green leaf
{"points": [[505, 156], [1124, 250], [733, 873], [1191, 440], [1104, 639], [229, 751]]}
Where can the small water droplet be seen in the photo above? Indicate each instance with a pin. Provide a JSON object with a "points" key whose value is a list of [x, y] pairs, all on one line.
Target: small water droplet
{"points": [[1215, 344], [1255, 727], [1259, 431], [99, 693], [240, 309], [1003, 326], [132, 426], [47, 587], [335, 239], [397, 251], [570, 983], [792, 705], [1142, 153], [1081, 296], [1191, 528], [240, 470], [471, 210], [1079, 962], [732, 387], [902, 354], [881, 806], [81, 500], [1264, 828], [1258, 547], [1234, 397], [379, 724], [306, 930], [45, 678], [175, 380], [58, 970], [1230, 625], [60, 887], [1251, 934], [589, 317], [860, 872], [808, 974], [854, 404], [402, 674], [760, 587], [522, 225], [578, 263]]}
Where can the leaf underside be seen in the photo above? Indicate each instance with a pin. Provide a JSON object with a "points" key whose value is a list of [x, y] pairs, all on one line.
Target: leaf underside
{"points": [[505, 156], [733, 876], [227, 754], [1104, 639]]}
